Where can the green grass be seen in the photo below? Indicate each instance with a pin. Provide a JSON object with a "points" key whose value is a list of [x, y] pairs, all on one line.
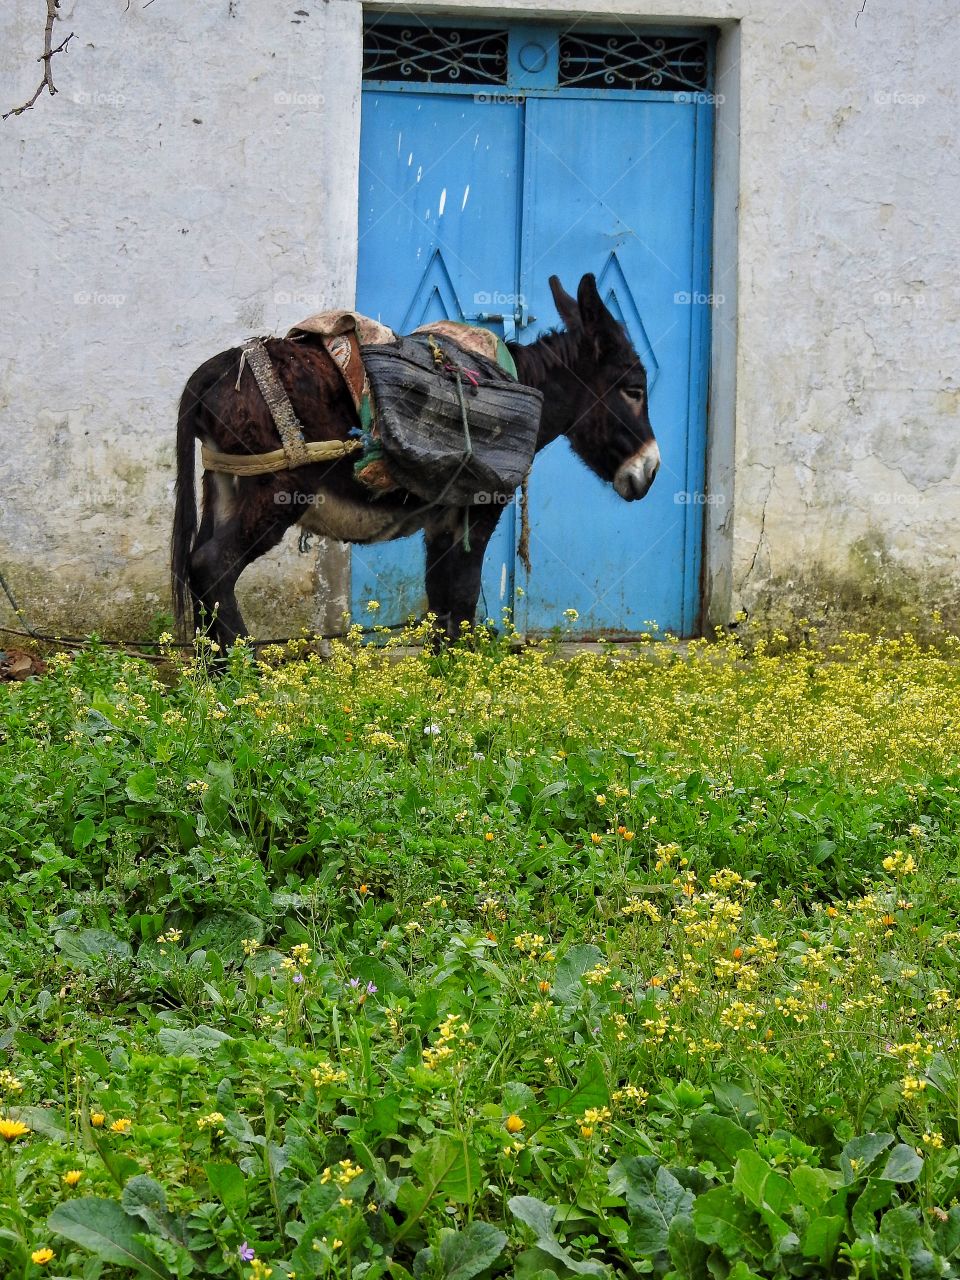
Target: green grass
{"points": [[483, 965]]}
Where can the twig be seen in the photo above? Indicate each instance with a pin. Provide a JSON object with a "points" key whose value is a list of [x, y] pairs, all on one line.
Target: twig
{"points": [[46, 58]]}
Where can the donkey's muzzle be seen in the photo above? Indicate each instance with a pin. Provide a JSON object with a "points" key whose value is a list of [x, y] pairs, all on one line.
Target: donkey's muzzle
{"points": [[635, 476]]}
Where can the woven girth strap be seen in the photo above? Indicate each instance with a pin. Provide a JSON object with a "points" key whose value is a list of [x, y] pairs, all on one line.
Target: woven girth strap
{"points": [[277, 401]]}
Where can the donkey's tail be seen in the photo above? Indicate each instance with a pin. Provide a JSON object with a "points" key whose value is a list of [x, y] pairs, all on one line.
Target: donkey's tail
{"points": [[185, 509]]}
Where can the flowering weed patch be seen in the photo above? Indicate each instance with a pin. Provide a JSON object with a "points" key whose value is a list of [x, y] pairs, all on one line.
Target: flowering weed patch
{"points": [[484, 964]]}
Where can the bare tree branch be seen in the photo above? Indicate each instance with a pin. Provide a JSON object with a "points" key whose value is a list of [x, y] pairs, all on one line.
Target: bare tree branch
{"points": [[46, 58]]}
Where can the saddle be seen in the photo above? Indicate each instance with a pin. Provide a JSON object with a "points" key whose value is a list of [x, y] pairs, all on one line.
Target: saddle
{"points": [[441, 412]]}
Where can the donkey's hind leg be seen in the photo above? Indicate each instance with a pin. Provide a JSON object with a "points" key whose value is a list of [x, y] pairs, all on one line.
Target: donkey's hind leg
{"points": [[208, 524], [237, 538]]}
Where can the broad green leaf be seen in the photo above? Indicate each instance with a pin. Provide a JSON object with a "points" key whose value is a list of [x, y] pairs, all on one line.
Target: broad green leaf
{"points": [[518, 1097], [539, 1217], [143, 1193], [740, 1271], [572, 965], [859, 1154], [43, 1120], [533, 1213], [942, 1074], [720, 1217], [821, 1238], [737, 1103], [117, 1163], [224, 931], [386, 1186], [102, 1227], [219, 792], [903, 1165], [901, 1234], [83, 833], [589, 1091], [177, 1260], [449, 1168], [146, 1199], [813, 1186], [718, 1139], [687, 1253], [102, 704], [762, 1186], [142, 785], [633, 1177], [654, 1198], [87, 948], [227, 1184], [317, 1199], [537, 1264], [463, 1254], [876, 1195], [191, 1042]]}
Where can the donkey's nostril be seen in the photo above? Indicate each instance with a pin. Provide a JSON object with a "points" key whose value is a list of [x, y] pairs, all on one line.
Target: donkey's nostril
{"points": [[640, 482]]}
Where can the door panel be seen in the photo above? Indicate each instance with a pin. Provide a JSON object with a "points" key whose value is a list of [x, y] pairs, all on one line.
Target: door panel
{"points": [[439, 212], [610, 188], [470, 201]]}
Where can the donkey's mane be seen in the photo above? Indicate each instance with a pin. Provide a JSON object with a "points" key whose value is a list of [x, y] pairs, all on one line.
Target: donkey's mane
{"points": [[557, 348]]}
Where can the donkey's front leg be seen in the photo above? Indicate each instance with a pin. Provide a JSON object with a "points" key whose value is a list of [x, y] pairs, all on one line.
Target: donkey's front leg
{"points": [[453, 571]]}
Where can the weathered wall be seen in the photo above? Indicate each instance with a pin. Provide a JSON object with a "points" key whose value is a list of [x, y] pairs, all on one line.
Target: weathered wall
{"points": [[183, 190], [188, 186]]}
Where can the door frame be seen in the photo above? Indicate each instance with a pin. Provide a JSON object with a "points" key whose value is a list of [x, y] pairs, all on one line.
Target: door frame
{"points": [[715, 550]]}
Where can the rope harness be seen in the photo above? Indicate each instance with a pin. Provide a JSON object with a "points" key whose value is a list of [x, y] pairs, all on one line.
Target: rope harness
{"points": [[295, 451]]}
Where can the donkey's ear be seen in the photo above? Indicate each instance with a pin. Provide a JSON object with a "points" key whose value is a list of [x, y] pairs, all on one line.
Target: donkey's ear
{"points": [[598, 322], [590, 303], [567, 307]]}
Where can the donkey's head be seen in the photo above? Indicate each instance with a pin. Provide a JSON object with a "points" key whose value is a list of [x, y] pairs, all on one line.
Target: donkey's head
{"points": [[610, 426]]}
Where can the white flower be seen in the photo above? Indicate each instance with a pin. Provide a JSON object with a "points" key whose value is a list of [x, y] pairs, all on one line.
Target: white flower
{"points": [[431, 730]]}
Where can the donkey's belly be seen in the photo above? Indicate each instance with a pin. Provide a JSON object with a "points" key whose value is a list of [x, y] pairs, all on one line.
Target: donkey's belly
{"points": [[346, 520]]}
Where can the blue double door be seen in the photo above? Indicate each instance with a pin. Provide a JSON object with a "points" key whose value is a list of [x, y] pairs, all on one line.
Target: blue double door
{"points": [[470, 198]]}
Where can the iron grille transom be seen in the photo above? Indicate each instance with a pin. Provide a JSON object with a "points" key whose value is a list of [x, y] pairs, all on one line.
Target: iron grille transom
{"points": [[435, 55], [621, 60]]}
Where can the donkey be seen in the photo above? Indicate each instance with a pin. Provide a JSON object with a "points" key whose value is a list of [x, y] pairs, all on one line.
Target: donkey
{"points": [[595, 394]]}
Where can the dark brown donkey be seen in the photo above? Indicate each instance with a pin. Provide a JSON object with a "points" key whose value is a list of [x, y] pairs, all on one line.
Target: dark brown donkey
{"points": [[595, 393]]}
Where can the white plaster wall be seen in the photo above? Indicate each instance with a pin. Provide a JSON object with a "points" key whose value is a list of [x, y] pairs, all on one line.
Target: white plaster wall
{"points": [[184, 189], [835, 402]]}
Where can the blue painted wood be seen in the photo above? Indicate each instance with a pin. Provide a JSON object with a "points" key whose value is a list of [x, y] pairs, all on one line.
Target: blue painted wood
{"points": [[611, 187], [560, 181], [439, 218]]}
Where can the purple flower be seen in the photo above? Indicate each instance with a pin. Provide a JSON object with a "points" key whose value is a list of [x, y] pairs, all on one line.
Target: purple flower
{"points": [[298, 978], [247, 1253], [354, 982], [371, 988]]}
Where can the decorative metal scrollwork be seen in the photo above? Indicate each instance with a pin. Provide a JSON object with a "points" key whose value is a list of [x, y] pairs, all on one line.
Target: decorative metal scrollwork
{"points": [[434, 55], [620, 60]]}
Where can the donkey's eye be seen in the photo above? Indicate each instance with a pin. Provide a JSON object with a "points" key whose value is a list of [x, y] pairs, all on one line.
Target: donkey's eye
{"points": [[635, 392]]}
